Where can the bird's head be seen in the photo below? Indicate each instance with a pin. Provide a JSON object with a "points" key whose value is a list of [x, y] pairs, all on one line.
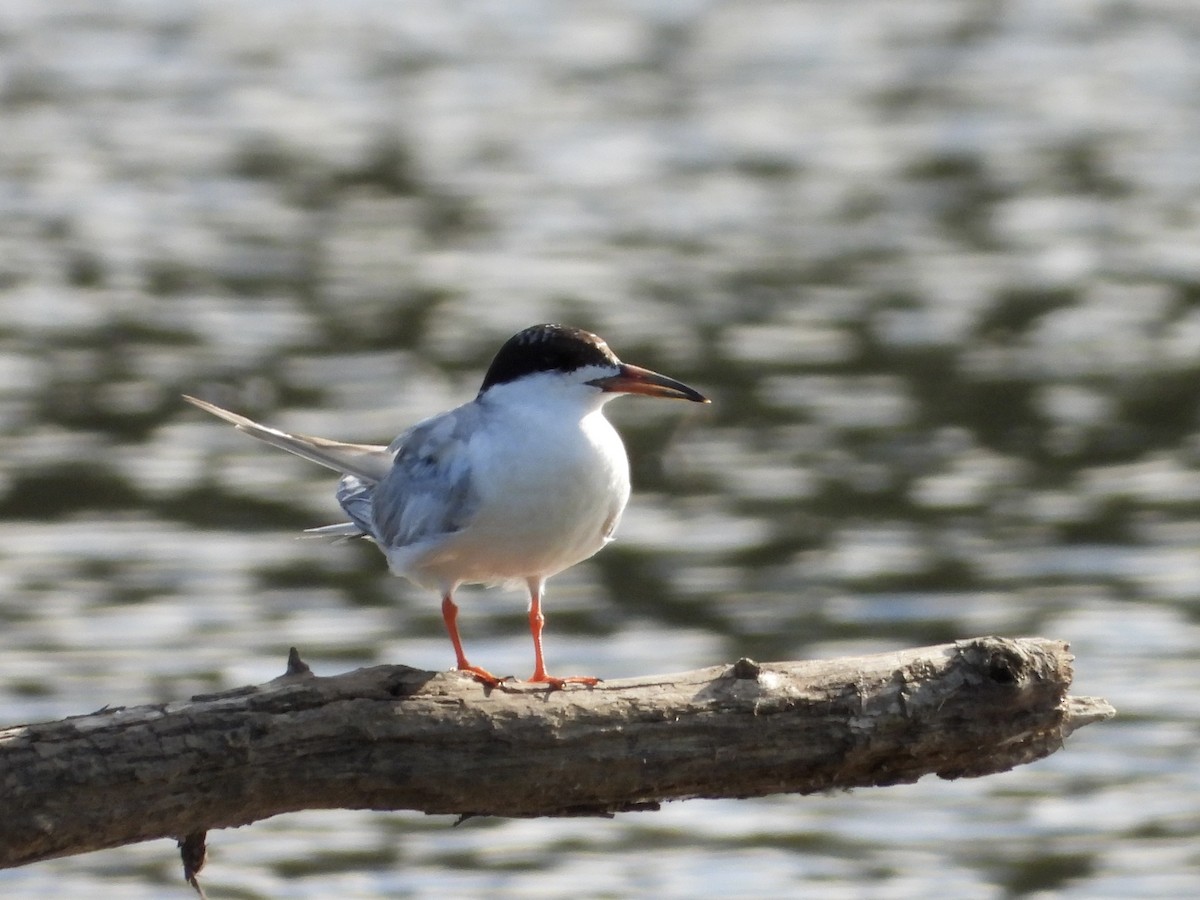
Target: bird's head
{"points": [[574, 357]]}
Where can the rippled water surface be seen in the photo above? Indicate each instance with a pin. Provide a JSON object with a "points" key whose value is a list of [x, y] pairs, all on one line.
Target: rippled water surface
{"points": [[937, 264]]}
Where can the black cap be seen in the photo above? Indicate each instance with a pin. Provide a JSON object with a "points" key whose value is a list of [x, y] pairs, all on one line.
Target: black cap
{"points": [[547, 348]]}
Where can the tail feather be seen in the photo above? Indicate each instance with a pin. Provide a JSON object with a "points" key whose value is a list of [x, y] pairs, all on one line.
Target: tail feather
{"points": [[342, 530], [370, 462]]}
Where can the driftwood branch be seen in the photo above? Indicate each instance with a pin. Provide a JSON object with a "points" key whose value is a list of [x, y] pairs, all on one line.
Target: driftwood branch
{"points": [[392, 737]]}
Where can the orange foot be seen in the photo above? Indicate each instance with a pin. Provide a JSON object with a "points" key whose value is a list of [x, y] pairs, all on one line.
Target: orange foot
{"points": [[483, 676], [556, 684]]}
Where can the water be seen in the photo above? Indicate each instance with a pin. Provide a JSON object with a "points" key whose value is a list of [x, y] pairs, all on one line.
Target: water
{"points": [[938, 266]]}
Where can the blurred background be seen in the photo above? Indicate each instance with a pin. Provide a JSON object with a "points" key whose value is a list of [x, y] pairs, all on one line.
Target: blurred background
{"points": [[938, 265]]}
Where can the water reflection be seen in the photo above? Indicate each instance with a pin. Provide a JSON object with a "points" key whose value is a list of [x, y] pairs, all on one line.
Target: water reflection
{"points": [[937, 269]]}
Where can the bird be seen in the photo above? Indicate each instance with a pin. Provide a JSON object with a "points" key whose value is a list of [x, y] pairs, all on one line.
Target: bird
{"points": [[527, 479]]}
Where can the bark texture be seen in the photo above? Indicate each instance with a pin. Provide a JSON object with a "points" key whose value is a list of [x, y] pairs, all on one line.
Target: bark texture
{"points": [[392, 737]]}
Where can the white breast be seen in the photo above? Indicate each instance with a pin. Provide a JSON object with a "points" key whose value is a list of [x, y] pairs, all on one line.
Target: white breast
{"points": [[552, 479]]}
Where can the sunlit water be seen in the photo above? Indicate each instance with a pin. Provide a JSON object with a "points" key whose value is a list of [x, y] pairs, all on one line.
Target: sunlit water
{"points": [[937, 264]]}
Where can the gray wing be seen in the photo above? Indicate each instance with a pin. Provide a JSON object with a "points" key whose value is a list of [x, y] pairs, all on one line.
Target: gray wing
{"points": [[428, 492], [415, 489]]}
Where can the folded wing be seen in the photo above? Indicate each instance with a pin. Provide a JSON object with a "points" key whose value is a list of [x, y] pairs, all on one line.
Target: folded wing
{"points": [[413, 490], [429, 491]]}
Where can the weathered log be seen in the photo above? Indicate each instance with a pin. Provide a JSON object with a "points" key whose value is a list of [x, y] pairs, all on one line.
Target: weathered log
{"points": [[392, 737]]}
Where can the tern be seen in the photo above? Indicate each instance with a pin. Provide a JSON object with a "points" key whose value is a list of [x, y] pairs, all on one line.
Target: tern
{"points": [[522, 482]]}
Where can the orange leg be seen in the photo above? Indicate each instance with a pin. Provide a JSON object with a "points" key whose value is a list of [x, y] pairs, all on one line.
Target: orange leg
{"points": [[536, 621], [450, 617]]}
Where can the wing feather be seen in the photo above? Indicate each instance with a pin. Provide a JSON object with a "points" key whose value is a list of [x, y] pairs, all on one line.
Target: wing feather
{"points": [[429, 490], [414, 490]]}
